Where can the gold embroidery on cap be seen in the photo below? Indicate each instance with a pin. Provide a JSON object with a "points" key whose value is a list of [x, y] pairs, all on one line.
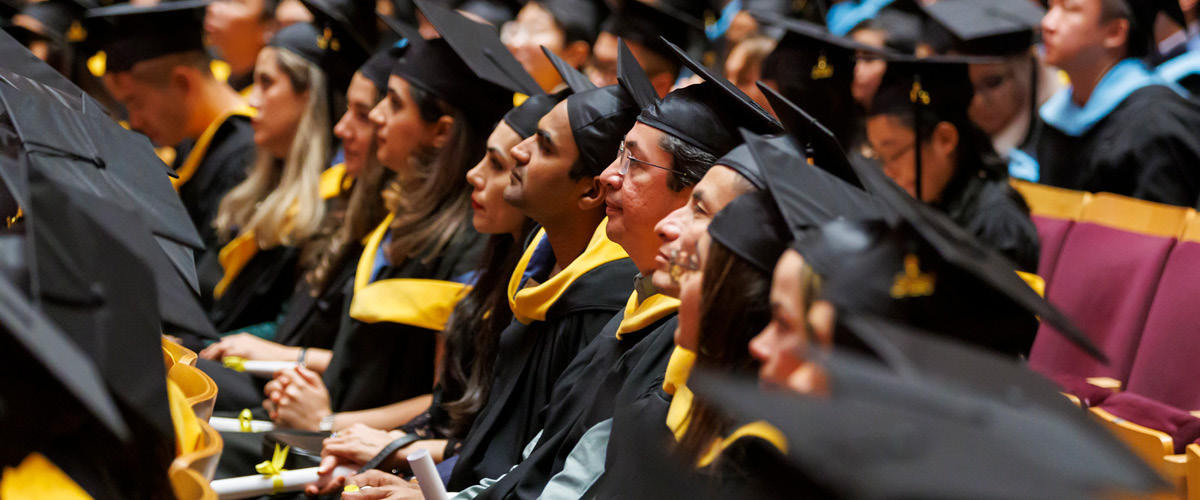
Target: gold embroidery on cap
{"points": [[912, 282], [918, 94], [822, 70], [76, 33], [328, 41]]}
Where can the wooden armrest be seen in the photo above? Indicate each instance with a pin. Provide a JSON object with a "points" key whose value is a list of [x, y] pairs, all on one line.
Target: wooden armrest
{"points": [[1105, 382]]}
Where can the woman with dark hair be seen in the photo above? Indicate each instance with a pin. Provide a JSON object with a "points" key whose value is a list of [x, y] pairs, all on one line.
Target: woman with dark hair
{"points": [[926, 142], [418, 263]]}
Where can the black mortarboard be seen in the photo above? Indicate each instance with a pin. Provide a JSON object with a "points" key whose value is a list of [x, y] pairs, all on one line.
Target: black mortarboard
{"points": [[323, 48], [983, 27], [822, 144], [400, 28], [9, 7], [742, 161], [599, 117], [94, 290], [379, 66], [59, 20], [928, 272], [752, 228], [707, 115], [129, 34], [44, 377], [353, 19], [524, 119], [479, 46], [644, 23], [884, 437], [85, 148], [937, 88], [815, 69], [632, 77], [579, 19], [807, 195], [468, 67]]}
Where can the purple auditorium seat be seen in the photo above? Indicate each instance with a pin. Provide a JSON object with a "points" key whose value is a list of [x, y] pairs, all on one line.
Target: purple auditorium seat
{"points": [[1180, 425], [1053, 211], [1167, 365], [1105, 278]]}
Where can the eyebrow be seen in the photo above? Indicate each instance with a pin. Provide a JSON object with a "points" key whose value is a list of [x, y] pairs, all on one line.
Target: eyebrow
{"points": [[632, 147], [495, 151]]}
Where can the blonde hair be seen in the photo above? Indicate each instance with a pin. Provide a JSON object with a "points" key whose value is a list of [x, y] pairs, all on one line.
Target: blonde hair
{"points": [[280, 200]]}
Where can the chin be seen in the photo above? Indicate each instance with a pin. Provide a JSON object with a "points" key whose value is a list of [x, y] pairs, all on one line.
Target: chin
{"points": [[662, 282]]}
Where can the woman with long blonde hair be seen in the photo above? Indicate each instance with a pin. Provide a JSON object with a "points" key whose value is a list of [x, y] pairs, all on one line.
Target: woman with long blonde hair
{"points": [[268, 217]]}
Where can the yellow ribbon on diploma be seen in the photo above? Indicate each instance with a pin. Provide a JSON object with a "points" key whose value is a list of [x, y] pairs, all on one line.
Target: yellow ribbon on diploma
{"points": [[274, 467], [244, 419], [235, 363]]}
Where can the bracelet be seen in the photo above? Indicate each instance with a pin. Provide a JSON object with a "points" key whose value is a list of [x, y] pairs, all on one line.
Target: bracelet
{"points": [[303, 355]]}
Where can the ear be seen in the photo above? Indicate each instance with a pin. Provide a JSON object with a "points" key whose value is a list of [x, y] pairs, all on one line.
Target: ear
{"points": [[1116, 34], [593, 198], [944, 140], [442, 130], [182, 79], [576, 54], [821, 319], [662, 83]]}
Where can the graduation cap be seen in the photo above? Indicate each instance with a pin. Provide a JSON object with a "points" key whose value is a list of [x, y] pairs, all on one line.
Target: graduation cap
{"points": [[63, 129], [129, 34], [599, 117], [707, 115], [94, 289], [523, 119], [815, 68], [807, 195], [467, 67], [927, 271], [632, 77], [884, 437], [580, 19], [57, 20], [752, 228], [822, 145], [644, 23], [742, 161], [983, 27], [379, 66], [937, 88], [10, 7], [354, 19], [324, 48], [45, 379]]}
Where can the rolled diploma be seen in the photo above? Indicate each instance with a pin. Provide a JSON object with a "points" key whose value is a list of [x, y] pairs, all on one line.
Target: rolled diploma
{"points": [[258, 484], [267, 369], [222, 424], [427, 476]]}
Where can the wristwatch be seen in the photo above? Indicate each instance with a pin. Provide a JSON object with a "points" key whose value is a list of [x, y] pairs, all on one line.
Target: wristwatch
{"points": [[326, 424]]}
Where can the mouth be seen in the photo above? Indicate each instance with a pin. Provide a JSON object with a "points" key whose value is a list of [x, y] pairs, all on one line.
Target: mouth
{"points": [[514, 177], [475, 205], [663, 261]]}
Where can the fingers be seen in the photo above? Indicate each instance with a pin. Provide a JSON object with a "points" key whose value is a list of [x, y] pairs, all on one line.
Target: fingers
{"points": [[214, 351], [328, 462], [375, 478], [368, 494], [307, 375]]}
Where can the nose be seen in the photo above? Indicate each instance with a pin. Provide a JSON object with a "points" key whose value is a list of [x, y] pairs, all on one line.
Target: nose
{"points": [[611, 176], [376, 114], [670, 227], [474, 178], [758, 345], [520, 152], [341, 130]]}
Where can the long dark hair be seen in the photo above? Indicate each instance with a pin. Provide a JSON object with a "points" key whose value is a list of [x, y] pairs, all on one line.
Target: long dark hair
{"points": [[735, 308], [434, 211], [472, 335]]}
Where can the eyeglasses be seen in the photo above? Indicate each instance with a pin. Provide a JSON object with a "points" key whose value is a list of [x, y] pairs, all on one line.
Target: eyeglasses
{"points": [[628, 159]]}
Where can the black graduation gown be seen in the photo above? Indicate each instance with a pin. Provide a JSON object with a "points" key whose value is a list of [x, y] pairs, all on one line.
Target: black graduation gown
{"points": [[1147, 147], [258, 292], [585, 397], [224, 161], [530, 360], [380, 360], [995, 213]]}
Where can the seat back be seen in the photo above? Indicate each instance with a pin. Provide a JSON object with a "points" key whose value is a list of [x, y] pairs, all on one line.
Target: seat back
{"points": [[203, 459], [1193, 471], [1167, 364], [1105, 277], [179, 353], [197, 387], [1054, 211], [1148, 444], [188, 485]]}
